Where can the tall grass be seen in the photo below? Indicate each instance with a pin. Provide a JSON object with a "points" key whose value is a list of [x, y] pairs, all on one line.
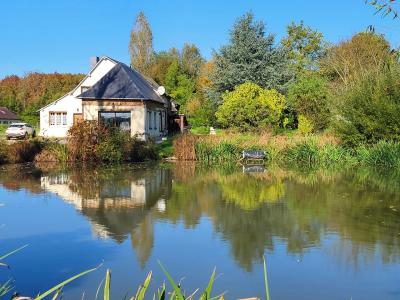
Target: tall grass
{"points": [[297, 151]]}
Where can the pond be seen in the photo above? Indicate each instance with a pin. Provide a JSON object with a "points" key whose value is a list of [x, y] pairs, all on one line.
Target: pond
{"points": [[325, 234]]}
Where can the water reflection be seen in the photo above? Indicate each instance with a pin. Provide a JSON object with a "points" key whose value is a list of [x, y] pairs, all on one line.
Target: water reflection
{"points": [[253, 211]]}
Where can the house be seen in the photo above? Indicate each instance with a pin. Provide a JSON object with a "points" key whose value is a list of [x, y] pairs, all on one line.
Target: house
{"points": [[8, 117], [114, 95]]}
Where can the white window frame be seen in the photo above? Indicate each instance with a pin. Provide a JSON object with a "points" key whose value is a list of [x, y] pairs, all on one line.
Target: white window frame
{"points": [[58, 118]]}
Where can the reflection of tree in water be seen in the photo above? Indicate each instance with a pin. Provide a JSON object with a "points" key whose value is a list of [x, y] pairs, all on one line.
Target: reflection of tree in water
{"points": [[17, 177], [251, 211], [297, 208]]}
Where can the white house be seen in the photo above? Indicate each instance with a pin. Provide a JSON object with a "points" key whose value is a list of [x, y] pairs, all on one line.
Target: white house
{"points": [[113, 94]]}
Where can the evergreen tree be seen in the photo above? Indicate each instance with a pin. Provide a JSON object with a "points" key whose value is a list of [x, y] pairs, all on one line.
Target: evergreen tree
{"points": [[251, 56], [141, 44]]}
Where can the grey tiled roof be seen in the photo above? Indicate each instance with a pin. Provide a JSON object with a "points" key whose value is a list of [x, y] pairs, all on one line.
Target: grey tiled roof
{"points": [[123, 82]]}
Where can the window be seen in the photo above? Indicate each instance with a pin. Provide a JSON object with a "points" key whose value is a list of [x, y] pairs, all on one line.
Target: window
{"points": [[84, 89], [58, 118], [121, 120], [155, 119], [149, 119]]}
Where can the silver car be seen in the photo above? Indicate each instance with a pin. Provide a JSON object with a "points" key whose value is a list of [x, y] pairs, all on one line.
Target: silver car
{"points": [[20, 131]]}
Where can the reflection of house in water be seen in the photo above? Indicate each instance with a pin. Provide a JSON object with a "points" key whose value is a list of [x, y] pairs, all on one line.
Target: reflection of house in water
{"points": [[116, 206]]}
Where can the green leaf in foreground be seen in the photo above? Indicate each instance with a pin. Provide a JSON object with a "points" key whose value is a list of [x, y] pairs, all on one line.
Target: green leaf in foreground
{"points": [[177, 290], [107, 285], [207, 293], [12, 252], [266, 280], [60, 285], [142, 290]]}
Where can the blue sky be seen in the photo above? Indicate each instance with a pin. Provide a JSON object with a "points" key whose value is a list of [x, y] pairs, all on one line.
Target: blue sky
{"points": [[61, 35]]}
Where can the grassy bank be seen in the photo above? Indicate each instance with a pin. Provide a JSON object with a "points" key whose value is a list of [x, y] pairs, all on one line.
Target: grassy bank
{"points": [[296, 150]]}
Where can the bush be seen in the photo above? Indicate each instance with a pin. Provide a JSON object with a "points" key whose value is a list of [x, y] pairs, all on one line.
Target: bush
{"points": [[369, 110], [249, 106], [141, 151], [53, 153], [305, 126], [24, 151], [308, 96], [3, 152]]}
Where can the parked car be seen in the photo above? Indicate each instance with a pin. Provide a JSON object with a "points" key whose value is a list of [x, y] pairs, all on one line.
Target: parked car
{"points": [[20, 130]]}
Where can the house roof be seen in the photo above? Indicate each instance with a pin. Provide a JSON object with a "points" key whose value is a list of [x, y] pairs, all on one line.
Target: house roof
{"points": [[123, 82], [6, 114]]}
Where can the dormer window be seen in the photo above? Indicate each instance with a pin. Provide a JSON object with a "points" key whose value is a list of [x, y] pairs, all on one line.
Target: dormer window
{"points": [[84, 89]]}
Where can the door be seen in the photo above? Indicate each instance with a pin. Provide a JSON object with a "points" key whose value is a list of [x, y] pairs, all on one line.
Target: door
{"points": [[78, 118]]}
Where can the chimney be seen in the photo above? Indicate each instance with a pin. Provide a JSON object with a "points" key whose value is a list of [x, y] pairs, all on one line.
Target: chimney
{"points": [[93, 61]]}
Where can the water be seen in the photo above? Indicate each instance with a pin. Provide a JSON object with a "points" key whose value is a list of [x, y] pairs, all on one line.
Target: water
{"points": [[325, 234]]}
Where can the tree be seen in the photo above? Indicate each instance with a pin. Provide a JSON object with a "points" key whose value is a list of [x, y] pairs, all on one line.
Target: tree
{"points": [[141, 44], [305, 47], [178, 85], [191, 60], [250, 56], [369, 109], [250, 106], [160, 64], [350, 59], [309, 97]]}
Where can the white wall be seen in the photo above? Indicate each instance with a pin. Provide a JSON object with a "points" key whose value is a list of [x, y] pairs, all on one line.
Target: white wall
{"points": [[70, 104]]}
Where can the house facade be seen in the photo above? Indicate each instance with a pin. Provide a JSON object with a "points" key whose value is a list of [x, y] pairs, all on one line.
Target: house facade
{"points": [[114, 95], [7, 117]]}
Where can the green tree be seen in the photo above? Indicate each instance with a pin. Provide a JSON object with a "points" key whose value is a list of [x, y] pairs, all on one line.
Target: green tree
{"points": [[250, 56], [350, 59], [191, 60], [309, 97], [305, 47], [160, 64], [250, 106], [369, 109], [141, 44], [178, 85]]}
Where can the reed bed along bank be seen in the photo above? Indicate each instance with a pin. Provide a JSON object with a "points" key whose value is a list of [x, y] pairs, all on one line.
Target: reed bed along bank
{"points": [[315, 150]]}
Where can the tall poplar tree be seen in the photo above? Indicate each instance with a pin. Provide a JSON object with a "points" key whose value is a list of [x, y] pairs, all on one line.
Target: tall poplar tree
{"points": [[141, 44]]}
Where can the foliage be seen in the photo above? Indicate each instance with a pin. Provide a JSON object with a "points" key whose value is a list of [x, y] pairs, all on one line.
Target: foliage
{"points": [[386, 7], [200, 110], [52, 152], [368, 110], [90, 142], [350, 59], [160, 64], [250, 56], [249, 106], [24, 151], [305, 47], [309, 96], [305, 126], [191, 60], [141, 44], [26, 95]]}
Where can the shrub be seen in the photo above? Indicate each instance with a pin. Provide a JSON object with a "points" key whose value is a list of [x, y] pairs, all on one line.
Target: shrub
{"points": [[3, 152], [306, 152], [114, 146], [369, 110], [24, 151], [83, 141], [250, 106], [308, 96], [142, 151], [305, 126], [54, 153]]}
